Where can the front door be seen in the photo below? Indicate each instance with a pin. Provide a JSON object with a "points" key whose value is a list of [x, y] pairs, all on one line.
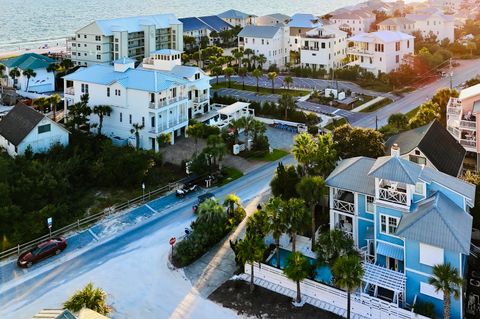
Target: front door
{"points": [[153, 143]]}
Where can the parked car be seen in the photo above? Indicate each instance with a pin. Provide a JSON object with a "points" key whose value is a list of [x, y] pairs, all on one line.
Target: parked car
{"points": [[43, 250], [201, 199]]}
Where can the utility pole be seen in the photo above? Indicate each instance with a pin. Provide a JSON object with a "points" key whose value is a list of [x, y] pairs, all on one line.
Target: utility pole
{"points": [[376, 123], [450, 72]]}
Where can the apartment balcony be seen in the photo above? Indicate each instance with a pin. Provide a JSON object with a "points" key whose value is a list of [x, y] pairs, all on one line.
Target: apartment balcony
{"points": [[469, 144], [165, 102], [311, 48], [468, 125], [319, 36], [343, 201]]}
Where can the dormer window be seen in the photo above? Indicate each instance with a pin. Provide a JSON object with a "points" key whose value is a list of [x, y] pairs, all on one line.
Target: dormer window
{"points": [[197, 76], [419, 188]]}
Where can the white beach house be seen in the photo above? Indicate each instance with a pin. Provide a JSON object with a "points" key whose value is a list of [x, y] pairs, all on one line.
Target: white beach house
{"points": [[160, 96]]}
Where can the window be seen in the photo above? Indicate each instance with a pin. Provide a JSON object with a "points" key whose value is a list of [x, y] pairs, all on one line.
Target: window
{"points": [[430, 255], [98, 38], [369, 204], [85, 45], [419, 188], [44, 128], [108, 91], [388, 224], [117, 92], [121, 117], [84, 36], [429, 290], [99, 57], [143, 121], [99, 48], [197, 76], [397, 46], [397, 59], [263, 41], [78, 36], [408, 44]]}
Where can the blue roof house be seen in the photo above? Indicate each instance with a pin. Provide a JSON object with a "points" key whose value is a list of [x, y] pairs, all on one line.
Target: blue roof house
{"points": [[404, 218], [238, 18], [42, 82], [199, 27]]}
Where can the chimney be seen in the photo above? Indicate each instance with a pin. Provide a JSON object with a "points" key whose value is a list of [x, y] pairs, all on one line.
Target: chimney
{"points": [[395, 150]]}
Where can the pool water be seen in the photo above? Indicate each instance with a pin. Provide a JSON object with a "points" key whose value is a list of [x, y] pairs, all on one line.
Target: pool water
{"points": [[322, 273]]}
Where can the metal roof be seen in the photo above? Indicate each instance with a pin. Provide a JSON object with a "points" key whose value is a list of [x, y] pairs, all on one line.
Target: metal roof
{"points": [[435, 142], [54, 314], [383, 36], [439, 222], [396, 169], [194, 23], [352, 175], [304, 20], [216, 23], [135, 24], [234, 14], [259, 31], [388, 250], [469, 92], [230, 109], [28, 61]]}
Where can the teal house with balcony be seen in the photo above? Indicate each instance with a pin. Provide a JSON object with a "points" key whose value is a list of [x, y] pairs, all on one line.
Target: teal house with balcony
{"points": [[404, 218]]}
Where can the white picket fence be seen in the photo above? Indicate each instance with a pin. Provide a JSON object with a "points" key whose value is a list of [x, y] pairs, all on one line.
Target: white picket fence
{"points": [[362, 305]]}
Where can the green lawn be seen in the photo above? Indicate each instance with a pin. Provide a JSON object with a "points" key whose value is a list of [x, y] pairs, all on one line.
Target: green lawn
{"points": [[377, 105], [262, 90], [276, 154], [365, 99], [232, 174], [336, 123]]}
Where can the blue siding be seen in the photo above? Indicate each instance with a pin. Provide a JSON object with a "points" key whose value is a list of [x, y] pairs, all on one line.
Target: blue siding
{"points": [[454, 197], [362, 201], [386, 237], [362, 231], [413, 258]]}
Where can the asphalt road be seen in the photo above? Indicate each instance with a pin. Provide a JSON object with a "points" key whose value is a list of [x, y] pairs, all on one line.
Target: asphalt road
{"points": [[25, 287], [467, 70]]}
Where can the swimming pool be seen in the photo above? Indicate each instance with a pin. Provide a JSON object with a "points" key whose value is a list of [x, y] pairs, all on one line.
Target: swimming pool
{"points": [[322, 273]]}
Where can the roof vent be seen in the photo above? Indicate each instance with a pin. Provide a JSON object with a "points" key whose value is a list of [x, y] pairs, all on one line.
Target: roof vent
{"points": [[395, 150]]}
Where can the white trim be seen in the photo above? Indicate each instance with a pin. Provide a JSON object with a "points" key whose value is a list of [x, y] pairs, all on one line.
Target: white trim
{"points": [[418, 272], [430, 255], [386, 204], [373, 203], [429, 290], [388, 224], [389, 243], [366, 219]]}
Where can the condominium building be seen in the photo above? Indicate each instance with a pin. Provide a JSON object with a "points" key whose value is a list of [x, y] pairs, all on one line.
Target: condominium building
{"points": [[463, 119], [353, 21], [161, 96], [324, 47], [271, 41], [104, 41], [380, 51], [405, 218]]}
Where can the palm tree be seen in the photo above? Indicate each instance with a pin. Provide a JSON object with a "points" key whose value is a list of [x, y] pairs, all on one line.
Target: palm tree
{"points": [[272, 76], [287, 103], [297, 218], [29, 73], [216, 148], [211, 212], [242, 72], [14, 73], [248, 52], [230, 201], [89, 297], [348, 274], [53, 101], [277, 218], [136, 128], [67, 64], [101, 111], [41, 103], [257, 74], [332, 244], [254, 61], [447, 280], [216, 71], [196, 131], [311, 190], [250, 250], [258, 224], [246, 123], [304, 150], [229, 71], [287, 81], [238, 55], [261, 59], [297, 269]]}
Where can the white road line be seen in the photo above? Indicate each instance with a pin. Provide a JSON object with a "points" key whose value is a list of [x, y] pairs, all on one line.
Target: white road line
{"points": [[93, 234], [148, 206]]}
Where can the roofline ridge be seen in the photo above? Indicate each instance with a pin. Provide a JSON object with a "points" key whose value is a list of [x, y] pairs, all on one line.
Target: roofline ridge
{"points": [[449, 228]]}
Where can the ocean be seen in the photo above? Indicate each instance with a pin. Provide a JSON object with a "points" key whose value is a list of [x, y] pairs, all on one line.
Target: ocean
{"points": [[34, 23]]}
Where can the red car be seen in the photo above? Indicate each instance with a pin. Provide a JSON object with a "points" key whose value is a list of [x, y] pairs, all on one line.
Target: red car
{"points": [[43, 250]]}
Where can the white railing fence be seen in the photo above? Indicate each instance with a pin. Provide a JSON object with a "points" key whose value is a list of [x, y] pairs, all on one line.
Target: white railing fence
{"points": [[343, 206], [393, 196], [361, 304]]}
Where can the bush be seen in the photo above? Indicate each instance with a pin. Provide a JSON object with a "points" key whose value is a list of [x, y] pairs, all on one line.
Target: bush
{"points": [[260, 144], [426, 309]]}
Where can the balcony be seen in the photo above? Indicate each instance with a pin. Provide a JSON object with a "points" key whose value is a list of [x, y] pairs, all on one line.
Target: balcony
{"points": [[201, 99], [69, 91], [468, 125], [343, 201], [359, 51], [165, 102], [310, 48], [320, 36], [393, 195]]}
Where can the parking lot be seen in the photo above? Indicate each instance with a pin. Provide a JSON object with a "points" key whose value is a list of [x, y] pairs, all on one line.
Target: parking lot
{"points": [[248, 95]]}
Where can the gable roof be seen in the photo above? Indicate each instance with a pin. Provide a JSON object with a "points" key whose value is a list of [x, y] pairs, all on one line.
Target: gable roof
{"points": [[135, 24], [396, 21], [212, 23], [452, 226], [259, 31], [215, 22], [384, 36], [352, 174], [304, 20], [396, 169], [19, 122], [193, 23], [54, 314], [234, 14], [278, 16], [28, 61], [438, 145], [469, 92]]}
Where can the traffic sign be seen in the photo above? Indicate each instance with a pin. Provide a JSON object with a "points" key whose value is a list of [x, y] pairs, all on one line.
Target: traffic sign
{"points": [[172, 241], [49, 222]]}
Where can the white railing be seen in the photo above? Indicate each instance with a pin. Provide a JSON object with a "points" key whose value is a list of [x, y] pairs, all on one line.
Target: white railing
{"points": [[70, 91], [394, 196], [468, 124], [359, 51], [200, 99], [343, 206], [468, 143], [454, 111], [363, 305], [165, 102], [454, 131]]}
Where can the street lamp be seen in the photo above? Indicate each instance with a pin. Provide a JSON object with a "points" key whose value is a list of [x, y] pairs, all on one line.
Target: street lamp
{"points": [[143, 192]]}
